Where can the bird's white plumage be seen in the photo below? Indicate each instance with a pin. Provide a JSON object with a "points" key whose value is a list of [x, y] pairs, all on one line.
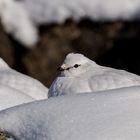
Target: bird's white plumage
{"points": [[21, 82], [89, 77]]}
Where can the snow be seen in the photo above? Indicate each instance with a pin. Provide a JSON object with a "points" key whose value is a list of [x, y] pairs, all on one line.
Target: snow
{"points": [[107, 115], [16, 21], [78, 74], [21, 18], [46, 11], [23, 83], [10, 97]]}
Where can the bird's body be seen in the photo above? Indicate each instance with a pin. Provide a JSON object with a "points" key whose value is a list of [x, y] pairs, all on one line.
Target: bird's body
{"points": [[80, 75]]}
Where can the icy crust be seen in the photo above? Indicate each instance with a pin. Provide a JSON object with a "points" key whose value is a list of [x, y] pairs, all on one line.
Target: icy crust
{"points": [[106, 115]]}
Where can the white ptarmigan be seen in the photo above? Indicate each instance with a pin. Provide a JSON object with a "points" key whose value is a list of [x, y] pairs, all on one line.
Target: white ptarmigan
{"points": [[21, 82], [80, 74]]}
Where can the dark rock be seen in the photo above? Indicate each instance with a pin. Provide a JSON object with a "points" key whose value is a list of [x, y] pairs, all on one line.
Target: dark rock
{"points": [[6, 48]]}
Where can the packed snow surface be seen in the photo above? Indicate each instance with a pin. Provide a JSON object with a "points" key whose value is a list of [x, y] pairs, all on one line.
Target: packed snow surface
{"points": [[78, 74], [106, 115], [25, 84]]}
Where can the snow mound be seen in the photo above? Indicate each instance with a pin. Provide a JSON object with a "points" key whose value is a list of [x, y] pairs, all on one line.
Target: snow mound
{"points": [[27, 85], [10, 97], [106, 115], [3, 65], [16, 21]]}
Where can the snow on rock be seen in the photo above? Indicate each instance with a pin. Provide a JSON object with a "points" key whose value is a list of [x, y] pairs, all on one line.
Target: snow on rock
{"points": [[19, 17], [27, 85], [16, 21], [79, 74], [10, 97], [106, 115], [46, 11]]}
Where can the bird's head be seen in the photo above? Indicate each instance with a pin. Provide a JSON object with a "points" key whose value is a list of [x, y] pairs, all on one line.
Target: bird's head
{"points": [[74, 65]]}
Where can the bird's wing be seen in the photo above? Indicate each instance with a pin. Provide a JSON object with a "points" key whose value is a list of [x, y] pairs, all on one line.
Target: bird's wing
{"points": [[113, 78]]}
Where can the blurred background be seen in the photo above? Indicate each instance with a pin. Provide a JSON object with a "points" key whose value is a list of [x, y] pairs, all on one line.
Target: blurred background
{"points": [[36, 35]]}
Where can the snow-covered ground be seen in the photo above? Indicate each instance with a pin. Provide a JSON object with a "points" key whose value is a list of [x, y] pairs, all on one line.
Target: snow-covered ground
{"points": [[20, 17], [106, 115]]}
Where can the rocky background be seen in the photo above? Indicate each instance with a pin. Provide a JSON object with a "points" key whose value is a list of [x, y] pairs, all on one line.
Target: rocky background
{"points": [[114, 44]]}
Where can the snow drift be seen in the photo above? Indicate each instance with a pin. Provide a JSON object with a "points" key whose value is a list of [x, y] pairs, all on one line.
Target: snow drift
{"points": [[21, 82], [10, 97], [107, 115]]}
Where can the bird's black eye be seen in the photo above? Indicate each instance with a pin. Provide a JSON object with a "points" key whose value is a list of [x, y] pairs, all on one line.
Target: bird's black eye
{"points": [[76, 66]]}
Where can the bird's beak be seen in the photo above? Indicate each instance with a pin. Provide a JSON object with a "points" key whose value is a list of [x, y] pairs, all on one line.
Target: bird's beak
{"points": [[60, 69], [63, 68]]}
